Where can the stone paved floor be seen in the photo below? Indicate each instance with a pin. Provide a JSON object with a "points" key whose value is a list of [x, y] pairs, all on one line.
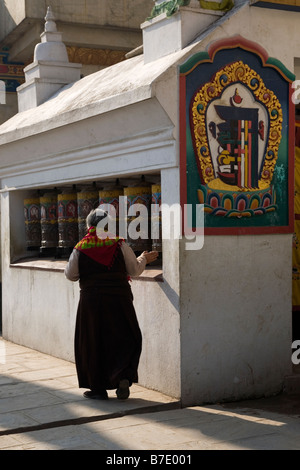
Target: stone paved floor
{"points": [[41, 408]]}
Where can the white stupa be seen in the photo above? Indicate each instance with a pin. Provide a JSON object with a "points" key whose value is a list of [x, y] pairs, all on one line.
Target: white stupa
{"points": [[50, 69]]}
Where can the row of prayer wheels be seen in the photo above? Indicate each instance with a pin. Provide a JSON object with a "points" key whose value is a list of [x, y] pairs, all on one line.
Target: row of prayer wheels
{"points": [[56, 221]]}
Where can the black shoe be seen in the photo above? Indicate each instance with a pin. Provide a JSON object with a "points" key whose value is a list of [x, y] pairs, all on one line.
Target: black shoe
{"points": [[123, 390], [96, 395]]}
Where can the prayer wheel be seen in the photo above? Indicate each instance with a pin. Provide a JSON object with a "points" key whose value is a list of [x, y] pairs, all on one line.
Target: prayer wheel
{"points": [[32, 214], [110, 196], [49, 225], [87, 200], [67, 218], [139, 224], [156, 229]]}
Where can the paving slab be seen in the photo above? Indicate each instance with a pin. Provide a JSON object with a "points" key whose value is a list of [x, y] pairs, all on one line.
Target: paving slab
{"points": [[38, 390], [42, 408]]}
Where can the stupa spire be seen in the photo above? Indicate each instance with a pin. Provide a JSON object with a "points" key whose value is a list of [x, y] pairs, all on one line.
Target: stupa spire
{"points": [[50, 24]]}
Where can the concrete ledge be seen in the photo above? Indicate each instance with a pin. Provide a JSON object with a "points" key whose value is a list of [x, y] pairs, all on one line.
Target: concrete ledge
{"points": [[151, 273]]}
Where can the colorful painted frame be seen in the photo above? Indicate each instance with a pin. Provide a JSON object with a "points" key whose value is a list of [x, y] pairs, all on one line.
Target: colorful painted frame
{"points": [[250, 144]]}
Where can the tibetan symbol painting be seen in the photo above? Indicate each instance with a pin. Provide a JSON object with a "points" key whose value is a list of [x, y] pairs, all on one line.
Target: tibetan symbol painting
{"points": [[236, 139]]}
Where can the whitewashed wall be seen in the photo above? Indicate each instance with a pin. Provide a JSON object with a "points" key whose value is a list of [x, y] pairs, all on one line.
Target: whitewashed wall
{"points": [[39, 311], [219, 326], [39, 305], [236, 317], [236, 293]]}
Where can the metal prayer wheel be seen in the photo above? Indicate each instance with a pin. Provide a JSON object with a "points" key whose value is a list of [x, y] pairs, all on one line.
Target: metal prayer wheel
{"points": [[139, 224], [111, 196], [87, 200], [156, 228], [67, 218], [32, 214], [49, 225]]}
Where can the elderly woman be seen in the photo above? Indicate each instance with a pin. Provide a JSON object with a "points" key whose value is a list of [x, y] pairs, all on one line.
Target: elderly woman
{"points": [[108, 339]]}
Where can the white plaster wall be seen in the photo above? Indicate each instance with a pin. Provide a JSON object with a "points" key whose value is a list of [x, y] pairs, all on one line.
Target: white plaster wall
{"points": [[42, 316], [38, 307], [163, 35], [135, 139], [157, 309], [236, 299], [44, 305], [236, 317]]}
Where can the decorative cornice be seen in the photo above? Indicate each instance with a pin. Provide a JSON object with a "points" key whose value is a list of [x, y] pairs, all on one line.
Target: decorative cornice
{"points": [[88, 56]]}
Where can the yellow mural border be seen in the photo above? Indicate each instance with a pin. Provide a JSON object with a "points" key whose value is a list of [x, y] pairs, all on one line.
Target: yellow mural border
{"points": [[237, 72]]}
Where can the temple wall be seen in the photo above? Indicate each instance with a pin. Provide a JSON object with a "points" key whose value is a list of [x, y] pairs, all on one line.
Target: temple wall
{"points": [[126, 15], [45, 306], [236, 292], [236, 317], [217, 326]]}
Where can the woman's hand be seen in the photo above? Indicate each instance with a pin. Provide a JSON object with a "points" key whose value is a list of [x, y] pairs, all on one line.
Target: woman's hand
{"points": [[150, 256]]}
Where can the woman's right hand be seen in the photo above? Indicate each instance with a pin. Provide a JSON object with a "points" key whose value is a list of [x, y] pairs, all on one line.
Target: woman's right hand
{"points": [[150, 256]]}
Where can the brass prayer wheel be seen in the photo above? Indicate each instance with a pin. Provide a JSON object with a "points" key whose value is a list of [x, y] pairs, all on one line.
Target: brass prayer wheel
{"points": [[67, 217], [49, 225], [111, 196], [32, 214], [139, 225], [87, 200]]}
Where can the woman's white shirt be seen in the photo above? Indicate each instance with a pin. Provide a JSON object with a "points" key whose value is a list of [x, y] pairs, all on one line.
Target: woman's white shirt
{"points": [[134, 265]]}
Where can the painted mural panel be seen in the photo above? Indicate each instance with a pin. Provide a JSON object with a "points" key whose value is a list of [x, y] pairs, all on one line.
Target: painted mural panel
{"points": [[236, 143]]}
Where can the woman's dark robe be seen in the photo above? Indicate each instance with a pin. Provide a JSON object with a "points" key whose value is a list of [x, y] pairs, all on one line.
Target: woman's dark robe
{"points": [[108, 340]]}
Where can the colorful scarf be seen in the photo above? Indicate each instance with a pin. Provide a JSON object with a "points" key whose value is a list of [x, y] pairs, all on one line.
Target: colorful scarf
{"points": [[103, 251]]}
